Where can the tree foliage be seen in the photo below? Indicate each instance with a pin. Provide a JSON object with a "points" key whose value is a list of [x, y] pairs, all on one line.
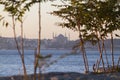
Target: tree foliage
{"points": [[16, 10], [73, 15], [94, 19]]}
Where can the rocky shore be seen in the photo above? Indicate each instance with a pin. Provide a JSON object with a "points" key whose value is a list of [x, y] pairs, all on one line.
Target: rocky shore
{"points": [[69, 76]]}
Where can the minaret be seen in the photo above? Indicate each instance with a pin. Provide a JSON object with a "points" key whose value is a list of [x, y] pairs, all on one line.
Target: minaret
{"points": [[25, 36], [0, 35], [69, 36], [53, 35], [65, 34]]}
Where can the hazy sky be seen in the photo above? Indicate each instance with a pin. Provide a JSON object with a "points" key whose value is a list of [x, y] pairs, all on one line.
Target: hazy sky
{"points": [[31, 23]]}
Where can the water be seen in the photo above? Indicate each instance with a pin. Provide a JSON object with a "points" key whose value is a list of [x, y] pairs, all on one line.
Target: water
{"points": [[10, 63]]}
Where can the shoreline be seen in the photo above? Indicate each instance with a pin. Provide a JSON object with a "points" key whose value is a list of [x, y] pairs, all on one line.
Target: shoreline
{"points": [[69, 76]]}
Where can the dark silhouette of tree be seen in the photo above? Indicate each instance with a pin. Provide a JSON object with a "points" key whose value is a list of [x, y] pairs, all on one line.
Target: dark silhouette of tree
{"points": [[73, 14], [16, 10], [111, 20], [94, 20], [104, 20]]}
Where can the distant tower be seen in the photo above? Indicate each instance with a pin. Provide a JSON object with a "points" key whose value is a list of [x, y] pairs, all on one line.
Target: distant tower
{"points": [[53, 35], [69, 36], [65, 34], [0, 34], [25, 36]]}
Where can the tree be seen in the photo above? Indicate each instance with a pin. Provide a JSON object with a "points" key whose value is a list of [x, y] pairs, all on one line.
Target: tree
{"points": [[90, 20], [17, 9], [94, 28], [104, 24], [38, 54], [110, 19], [74, 15]]}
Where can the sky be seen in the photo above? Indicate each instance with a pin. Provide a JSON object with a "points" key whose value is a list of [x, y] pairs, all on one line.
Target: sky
{"points": [[48, 23]]}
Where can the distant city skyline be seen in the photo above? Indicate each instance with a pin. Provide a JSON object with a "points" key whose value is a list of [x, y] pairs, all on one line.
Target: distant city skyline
{"points": [[48, 23], [58, 42]]}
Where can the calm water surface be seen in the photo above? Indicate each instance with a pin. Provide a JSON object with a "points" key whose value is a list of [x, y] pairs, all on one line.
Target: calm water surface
{"points": [[10, 63]]}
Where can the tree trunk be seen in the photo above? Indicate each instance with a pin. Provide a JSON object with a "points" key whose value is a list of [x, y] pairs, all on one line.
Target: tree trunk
{"points": [[112, 50], [39, 39], [83, 53], [101, 54], [35, 64], [39, 43], [19, 52], [101, 57], [118, 62], [104, 49], [22, 47]]}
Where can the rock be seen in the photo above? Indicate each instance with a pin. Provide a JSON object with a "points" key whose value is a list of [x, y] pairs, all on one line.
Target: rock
{"points": [[70, 76], [53, 78]]}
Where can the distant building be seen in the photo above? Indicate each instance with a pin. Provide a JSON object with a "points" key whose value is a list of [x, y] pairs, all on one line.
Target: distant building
{"points": [[60, 39], [58, 42]]}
